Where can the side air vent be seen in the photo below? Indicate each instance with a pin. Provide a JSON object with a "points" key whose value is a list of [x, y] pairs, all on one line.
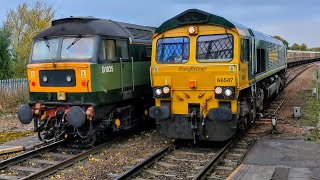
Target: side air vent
{"points": [[193, 16], [140, 33], [73, 20]]}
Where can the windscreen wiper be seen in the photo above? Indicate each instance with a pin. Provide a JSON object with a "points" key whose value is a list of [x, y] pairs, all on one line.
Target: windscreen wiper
{"points": [[74, 41], [46, 41]]}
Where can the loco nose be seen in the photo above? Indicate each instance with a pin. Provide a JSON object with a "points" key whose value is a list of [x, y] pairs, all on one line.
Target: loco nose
{"points": [[25, 114]]}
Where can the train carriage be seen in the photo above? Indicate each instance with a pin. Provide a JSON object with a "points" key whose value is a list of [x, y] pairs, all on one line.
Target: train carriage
{"points": [[211, 76], [301, 57], [88, 76]]}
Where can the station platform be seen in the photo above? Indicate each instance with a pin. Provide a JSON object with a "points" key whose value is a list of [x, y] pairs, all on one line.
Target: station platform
{"points": [[280, 159]]}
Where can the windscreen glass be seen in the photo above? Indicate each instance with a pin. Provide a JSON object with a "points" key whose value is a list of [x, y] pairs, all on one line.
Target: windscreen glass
{"points": [[215, 48], [173, 50], [45, 49], [77, 48]]}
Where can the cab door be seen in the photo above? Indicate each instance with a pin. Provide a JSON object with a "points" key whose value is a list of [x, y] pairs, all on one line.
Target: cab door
{"points": [[126, 67], [107, 73]]}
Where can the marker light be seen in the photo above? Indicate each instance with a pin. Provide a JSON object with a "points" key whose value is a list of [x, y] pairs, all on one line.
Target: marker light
{"points": [[84, 84], [192, 30], [166, 90], [61, 96], [33, 84], [192, 83], [218, 90]]}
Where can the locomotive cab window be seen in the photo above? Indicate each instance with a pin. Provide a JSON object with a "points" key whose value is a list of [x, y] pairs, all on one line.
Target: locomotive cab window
{"points": [[215, 48], [123, 49], [245, 50], [77, 48], [107, 50], [173, 50], [45, 49]]}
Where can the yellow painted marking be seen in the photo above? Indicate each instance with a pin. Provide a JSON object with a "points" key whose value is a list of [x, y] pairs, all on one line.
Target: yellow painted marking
{"points": [[232, 69], [32, 74], [83, 74]]}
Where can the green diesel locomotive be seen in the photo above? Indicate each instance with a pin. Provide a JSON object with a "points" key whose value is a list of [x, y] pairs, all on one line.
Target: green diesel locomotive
{"points": [[88, 76]]}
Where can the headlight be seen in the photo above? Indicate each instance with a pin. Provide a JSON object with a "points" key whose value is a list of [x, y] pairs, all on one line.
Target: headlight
{"points": [[158, 92], [225, 92], [45, 79], [218, 90], [166, 90], [228, 92], [69, 79]]}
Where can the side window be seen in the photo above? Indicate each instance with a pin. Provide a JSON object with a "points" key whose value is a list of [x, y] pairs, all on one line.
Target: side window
{"points": [[123, 47], [261, 61], [245, 50], [107, 50]]}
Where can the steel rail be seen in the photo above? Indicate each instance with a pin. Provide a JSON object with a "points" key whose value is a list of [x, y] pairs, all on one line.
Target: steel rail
{"points": [[214, 161], [147, 162], [68, 162], [28, 155], [291, 79], [295, 68]]}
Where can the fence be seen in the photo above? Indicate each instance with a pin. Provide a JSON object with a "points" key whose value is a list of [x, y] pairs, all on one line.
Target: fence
{"points": [[14, 86]]}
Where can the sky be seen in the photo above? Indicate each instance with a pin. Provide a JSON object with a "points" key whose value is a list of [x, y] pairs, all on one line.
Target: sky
{"points": [[297, 21]]}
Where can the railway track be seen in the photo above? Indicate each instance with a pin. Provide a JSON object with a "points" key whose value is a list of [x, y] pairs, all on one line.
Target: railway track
{"points": [[181, 162], [219, 164], [46, 160], [295, 71], [172, 162], [176, 161]]}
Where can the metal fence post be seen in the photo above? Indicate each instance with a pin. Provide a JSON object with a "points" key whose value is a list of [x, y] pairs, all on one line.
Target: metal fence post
{"points": [[317, 84]]}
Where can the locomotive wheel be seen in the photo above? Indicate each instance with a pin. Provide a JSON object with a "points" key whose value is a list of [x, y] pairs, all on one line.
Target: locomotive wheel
{"points": [[45, 135]]}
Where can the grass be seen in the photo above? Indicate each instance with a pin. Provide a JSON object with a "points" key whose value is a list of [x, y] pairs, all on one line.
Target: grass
{"points": [[311, 109], [9, 136], [314, 135], [310, 114]]}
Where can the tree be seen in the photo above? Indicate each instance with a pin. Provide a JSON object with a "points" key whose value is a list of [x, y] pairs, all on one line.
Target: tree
{"points": [[285, 42], [6, 54], [24, 23], [303, 47], [295, 46]]}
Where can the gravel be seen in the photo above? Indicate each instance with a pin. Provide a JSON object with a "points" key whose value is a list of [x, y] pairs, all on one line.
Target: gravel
{"points": [[117, 159], [287, 125]]}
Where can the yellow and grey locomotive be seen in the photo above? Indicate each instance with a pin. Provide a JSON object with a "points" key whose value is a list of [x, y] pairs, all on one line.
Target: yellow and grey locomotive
{"points": [[210, 75]]}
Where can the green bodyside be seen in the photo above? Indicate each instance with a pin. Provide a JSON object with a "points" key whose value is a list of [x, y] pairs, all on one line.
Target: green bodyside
{"points": [[119, 79]]}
